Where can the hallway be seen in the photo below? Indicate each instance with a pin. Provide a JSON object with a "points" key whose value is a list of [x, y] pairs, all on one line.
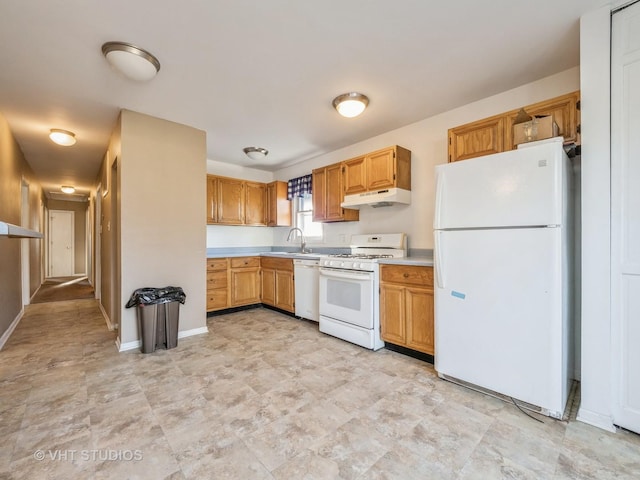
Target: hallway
{"points": [[58, 289], [264, 396]]}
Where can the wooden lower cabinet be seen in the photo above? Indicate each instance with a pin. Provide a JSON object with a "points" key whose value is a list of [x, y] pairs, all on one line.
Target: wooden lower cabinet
{"points": [[406, 306], [244, 281], [217, 284], [278, 283]]}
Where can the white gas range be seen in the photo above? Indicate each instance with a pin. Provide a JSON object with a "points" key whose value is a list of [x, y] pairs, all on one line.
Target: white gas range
{"points": [[349, 288]]}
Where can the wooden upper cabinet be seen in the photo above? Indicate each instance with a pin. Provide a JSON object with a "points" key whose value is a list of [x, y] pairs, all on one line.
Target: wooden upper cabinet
{"points": [[254, 208], [390, 167], [231, 201], [319, 182], [212, 204], [278, 208], [328, 194], [495, 134], [386, 168], [477, 138], [564, 110], [335, 192]]}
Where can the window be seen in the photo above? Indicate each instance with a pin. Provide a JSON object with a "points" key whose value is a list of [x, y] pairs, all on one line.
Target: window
{"points": [[303, 208]]}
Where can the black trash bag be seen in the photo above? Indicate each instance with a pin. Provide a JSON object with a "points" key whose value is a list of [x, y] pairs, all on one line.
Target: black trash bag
{"points": [[154, 296]]}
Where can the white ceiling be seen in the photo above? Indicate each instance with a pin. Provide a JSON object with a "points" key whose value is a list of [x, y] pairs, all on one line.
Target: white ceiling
{"points": [[264, 72]]}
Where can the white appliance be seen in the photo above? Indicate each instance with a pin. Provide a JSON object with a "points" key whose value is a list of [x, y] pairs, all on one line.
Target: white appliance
{"points": [[502, 298], [377, 198], [349, 295], [307, 279]]}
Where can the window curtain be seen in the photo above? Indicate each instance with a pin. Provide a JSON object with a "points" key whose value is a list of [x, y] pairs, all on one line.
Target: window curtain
{"points": [[298, 187]]}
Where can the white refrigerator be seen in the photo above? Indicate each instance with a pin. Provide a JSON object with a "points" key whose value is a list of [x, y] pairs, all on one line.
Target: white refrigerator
{"points": [[503, 232]]}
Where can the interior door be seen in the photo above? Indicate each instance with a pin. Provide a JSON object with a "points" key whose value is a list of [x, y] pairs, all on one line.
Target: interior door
{"points": [[61, 247], [625, 216]]}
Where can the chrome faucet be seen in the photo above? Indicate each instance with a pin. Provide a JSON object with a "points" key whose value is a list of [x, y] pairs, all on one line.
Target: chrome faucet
{"points": [[302, 242]]}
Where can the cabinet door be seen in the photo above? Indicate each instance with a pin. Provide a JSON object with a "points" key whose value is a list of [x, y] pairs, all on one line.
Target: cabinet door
{"points": [[335, 192], [478, 138], [278, 207], [419, 319], [564, 110], [284, 290], [254, 208], [381, 170], [269, 286], [245, 286], [230, 196], [355, 178], [392, 314], [217, 299], [319, 185], [212, 205]]}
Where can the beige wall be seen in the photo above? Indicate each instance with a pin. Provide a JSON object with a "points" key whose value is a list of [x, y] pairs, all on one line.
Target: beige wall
{"points": [[80, 230], [13, 170], [162, 194]]}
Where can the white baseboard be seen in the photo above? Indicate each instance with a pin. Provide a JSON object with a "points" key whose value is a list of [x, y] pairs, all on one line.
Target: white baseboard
{"points": [[596, 419], [12, 327], [192, 332], [136, 344], [124, 347]]}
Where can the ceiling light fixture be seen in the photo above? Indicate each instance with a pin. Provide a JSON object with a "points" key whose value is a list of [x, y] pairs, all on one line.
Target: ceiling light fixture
{"points": [[62, 137], [255, 153], [133, 62], [350, 104], [67, 189]]}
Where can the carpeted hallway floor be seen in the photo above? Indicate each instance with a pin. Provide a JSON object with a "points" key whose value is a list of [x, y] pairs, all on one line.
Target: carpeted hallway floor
{"points": [[58, 289]]}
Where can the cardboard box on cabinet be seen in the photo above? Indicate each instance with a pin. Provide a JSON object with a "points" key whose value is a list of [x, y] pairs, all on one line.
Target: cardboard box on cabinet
{"points": [[538, 128]]}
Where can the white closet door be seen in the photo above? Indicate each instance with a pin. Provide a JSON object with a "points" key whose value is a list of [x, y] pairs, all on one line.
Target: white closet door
{"points": [[61, 247], [625, 216]]}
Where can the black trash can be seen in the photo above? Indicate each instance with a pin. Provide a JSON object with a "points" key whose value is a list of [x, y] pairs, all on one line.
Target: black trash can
{"points": [[158, 314]]}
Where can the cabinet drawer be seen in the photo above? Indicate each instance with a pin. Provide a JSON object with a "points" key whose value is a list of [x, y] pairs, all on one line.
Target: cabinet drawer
{"points": [[216, 264], [241, 262], [407, 274], [217, 299], [217, 279], [277, 263]]}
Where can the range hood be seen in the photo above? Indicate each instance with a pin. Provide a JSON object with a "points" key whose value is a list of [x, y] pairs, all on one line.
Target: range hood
{"points": [[377, 198]]}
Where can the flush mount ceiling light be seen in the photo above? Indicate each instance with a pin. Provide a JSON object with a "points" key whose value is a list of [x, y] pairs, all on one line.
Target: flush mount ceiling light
{"points": [[350, 104], [133, 62], [67, 189], [255, 153], [62, 137]]}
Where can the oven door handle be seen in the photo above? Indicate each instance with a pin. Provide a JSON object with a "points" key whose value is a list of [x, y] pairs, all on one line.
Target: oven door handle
{"points": [[345, 275]]}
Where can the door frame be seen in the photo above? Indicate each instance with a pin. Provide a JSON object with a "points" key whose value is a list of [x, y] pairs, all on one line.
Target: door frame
{"points": [[25, 249]]}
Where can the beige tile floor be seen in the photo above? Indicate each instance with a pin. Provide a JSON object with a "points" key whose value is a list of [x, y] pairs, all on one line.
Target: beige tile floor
{"points": [[264, 396]]}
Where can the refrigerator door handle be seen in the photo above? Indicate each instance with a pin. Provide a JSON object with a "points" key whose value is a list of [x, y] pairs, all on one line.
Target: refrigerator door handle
{"points": [[436, 219], [438, 260]]}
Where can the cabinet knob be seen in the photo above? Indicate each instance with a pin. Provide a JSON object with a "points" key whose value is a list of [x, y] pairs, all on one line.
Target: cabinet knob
{"points": [[405, 275]]}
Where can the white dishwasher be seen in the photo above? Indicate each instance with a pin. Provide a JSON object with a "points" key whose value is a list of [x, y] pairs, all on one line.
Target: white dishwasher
{"points": [[306, 273]]}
